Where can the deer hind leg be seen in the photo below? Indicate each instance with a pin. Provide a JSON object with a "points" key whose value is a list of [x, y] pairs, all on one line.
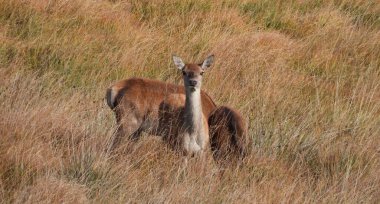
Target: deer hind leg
{"points": [[129, 125]]}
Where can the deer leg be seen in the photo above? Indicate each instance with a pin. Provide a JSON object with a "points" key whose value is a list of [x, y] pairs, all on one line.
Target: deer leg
{"points": [[129, 126]]}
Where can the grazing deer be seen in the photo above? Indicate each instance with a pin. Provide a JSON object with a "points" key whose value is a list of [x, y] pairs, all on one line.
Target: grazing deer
{"points": [[136, 103]]}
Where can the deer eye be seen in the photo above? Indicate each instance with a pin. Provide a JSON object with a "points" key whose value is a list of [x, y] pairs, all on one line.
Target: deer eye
{"points": [[184, 73]]}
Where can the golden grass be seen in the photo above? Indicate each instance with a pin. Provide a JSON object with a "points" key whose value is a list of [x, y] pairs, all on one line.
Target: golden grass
{"points": [[306, 74]]}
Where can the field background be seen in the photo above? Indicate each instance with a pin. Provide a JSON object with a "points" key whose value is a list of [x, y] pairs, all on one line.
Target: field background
{"points": [[306, 74]]}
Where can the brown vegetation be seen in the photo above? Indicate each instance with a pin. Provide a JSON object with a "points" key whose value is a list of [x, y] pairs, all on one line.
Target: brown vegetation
{"points": [[305, 73]]}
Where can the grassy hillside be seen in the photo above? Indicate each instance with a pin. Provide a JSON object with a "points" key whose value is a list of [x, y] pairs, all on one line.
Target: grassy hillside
{"points": [[306, 74]]}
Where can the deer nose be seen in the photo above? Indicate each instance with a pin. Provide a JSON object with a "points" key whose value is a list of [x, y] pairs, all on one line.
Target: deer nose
{"points": [[193, 83]]}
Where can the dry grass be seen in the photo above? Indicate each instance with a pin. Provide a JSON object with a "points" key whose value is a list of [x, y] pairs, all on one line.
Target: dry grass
{"points": [[305, 73]]}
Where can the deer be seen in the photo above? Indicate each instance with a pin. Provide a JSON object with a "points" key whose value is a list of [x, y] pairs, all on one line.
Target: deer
{"points": [[228, 135], [190, 133], [151, 106], [137, 102]]}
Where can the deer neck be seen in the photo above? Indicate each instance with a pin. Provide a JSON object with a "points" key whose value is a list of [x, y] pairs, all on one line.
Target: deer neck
{"points": [[193, 111]]}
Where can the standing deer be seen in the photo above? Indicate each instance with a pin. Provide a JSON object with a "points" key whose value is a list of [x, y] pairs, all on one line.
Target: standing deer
{"points": [[167, 110], [137, 102], [193, 132]]}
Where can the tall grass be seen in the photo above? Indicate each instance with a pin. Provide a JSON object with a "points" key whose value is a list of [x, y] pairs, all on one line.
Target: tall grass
{"points": [[306, 74]]}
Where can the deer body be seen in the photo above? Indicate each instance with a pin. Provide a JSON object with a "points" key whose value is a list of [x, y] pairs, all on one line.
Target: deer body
{"points": [[139, 106], [228, 134], [180, 114], [142, 105]]}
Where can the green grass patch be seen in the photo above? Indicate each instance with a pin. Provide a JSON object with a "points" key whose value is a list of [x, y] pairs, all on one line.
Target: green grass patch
{"points": [[22, 22], [269, 15], [7, 54], [363, 14], [43, 58]]}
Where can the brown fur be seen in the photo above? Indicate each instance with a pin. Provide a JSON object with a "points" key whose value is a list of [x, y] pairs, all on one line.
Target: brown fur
{"points": [[228, 134], [150, 93], [141, 99], [170, 113], [156, 100]]}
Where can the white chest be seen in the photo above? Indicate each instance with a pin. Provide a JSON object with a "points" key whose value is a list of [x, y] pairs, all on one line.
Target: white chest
{"points": [[195, 141]]}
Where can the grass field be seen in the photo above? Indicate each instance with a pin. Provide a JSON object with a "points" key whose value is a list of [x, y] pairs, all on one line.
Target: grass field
{"points": [[306, 74]]}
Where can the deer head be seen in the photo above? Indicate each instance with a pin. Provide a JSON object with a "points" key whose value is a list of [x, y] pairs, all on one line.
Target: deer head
{"points": [[192, 73]]}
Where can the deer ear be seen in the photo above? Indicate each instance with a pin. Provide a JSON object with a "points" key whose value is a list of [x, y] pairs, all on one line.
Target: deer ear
{"points": [[208, 62], [178, 62]]}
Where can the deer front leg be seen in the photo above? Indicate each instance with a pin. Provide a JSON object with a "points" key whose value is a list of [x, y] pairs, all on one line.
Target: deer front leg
{"points": [[190, 145]]}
